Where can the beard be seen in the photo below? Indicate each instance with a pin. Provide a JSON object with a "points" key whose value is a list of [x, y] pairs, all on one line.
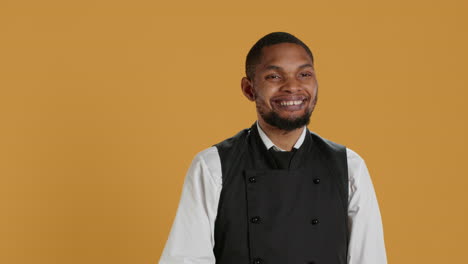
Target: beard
{"points": [[273, 119], [288, 124]]}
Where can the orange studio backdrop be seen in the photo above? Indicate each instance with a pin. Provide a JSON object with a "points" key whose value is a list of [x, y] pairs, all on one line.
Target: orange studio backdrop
{"points": [[103, 105]]}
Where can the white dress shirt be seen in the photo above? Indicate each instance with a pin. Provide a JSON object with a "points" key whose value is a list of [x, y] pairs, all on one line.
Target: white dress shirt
{"points": [[191, 239]]}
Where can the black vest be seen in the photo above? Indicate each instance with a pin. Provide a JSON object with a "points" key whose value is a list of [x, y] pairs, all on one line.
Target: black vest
{"points": [[268, 215]]}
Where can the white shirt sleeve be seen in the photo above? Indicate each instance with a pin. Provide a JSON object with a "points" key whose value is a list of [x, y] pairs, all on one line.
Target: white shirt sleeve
{"points": [[366, 245], [191, 239]]}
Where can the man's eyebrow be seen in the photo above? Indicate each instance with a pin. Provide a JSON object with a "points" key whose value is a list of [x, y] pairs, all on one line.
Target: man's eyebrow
{"points": [[275, 67], [306, 65]]}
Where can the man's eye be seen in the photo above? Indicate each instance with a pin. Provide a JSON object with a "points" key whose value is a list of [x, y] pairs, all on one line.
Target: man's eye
{"points": [[273, 76], [306, 74]]}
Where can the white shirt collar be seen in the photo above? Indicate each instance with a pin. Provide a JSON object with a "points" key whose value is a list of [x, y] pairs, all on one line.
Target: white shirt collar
{"points": [[268, 143]]}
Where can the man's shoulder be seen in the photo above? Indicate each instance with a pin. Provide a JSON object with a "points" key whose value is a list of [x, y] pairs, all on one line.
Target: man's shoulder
{"points": [[352, 155], [231, 141], [209, 159], [232, 148], [327, 142], [209, 156]]}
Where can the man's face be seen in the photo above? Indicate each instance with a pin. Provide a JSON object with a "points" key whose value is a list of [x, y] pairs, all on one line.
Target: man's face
{"points": [[284, 87]]}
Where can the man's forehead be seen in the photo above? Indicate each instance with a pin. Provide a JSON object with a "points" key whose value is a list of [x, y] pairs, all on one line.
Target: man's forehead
{"points": [[284, 52]]}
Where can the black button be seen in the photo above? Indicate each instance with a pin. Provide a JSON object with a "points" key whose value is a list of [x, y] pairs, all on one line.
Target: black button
{"points": [[252, 180], [316, 180], [258, 261], [315, 221], [255, 219]]}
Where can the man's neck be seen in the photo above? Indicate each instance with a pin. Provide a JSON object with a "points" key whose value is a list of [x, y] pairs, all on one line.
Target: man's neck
{"points": [[281, 138]]}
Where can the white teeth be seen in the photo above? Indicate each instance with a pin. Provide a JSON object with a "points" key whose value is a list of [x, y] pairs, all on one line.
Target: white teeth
{"points": [[291, 102]]}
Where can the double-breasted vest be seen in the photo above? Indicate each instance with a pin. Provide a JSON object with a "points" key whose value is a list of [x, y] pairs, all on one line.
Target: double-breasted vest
{"points": [[269, 215]]}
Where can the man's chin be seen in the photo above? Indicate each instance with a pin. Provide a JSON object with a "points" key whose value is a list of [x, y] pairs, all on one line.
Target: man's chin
{"points": [[286, 123]]}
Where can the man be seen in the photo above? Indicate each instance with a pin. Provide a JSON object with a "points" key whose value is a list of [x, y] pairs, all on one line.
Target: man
{"points": [[277, 193]]}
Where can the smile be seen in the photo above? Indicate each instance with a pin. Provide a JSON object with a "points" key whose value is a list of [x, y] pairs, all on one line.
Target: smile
{"points": [[284, 103], [290, 104]]}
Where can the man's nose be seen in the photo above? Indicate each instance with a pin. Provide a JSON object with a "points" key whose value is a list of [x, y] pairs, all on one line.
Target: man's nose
{"points": [[291, 85]]}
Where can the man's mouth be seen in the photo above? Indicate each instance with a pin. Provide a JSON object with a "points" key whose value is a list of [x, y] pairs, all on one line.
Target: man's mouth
{"points": [[290, 104], [284, 103]]}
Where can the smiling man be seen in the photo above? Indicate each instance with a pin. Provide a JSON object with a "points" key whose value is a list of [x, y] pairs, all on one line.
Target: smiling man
{"points": [[277, 193]]}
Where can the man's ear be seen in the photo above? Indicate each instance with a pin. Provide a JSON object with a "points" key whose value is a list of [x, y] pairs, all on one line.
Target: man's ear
{"points": [[247, 88]]}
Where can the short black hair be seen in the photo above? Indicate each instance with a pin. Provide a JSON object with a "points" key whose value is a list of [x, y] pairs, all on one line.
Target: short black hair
{"points": [[255, 53]]}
